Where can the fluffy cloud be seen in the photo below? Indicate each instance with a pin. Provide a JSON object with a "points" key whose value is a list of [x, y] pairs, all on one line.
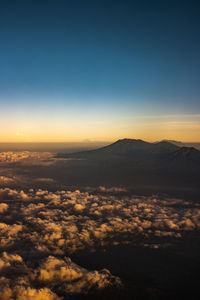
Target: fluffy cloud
{"points": [[72, 278], [18, 281], [44, 179], [3, 207], [21, 292], [111, 189], [5, 179], [27, 158], [41, 228]]}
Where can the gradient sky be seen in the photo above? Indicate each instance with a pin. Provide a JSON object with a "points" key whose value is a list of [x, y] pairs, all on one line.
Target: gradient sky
{"points": [[99, 70]]}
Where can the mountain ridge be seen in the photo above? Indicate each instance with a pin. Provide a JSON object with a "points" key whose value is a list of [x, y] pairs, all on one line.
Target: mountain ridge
{"points": [[130, 146], [138, 163], [136, 153]]}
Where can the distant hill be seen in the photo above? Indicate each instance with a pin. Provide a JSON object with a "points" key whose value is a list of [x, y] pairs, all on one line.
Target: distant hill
{"points": [[177, 143], [181, 144]]}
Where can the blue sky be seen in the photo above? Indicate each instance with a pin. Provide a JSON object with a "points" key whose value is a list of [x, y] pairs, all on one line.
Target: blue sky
{"points": [[118, 59]]}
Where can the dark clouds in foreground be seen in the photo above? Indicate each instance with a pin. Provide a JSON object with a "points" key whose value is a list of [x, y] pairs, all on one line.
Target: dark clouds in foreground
{"points": [[40, 229]]}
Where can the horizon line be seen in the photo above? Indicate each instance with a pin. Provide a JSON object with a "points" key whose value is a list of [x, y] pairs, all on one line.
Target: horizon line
{"points": [[93, 142]]}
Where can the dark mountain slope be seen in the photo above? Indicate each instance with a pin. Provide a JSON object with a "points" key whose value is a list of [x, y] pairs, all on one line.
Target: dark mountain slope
{"points": [[187, 153], [165, 147], [126, 148], [136, 163]]}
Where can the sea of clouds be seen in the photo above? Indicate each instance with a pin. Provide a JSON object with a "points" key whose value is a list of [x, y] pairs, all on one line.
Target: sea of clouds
{"points": [[40, 229], [27, 157], [14, 163]]}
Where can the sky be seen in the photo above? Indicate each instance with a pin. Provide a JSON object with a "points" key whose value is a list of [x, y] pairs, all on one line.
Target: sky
{"points": [[99, 70]]}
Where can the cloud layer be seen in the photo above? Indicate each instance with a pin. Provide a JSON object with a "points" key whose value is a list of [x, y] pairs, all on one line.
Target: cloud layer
{"points": [[40, 229], [12, 156]]}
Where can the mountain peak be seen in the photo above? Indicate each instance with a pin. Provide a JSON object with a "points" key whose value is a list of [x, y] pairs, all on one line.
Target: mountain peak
{"points": [[139, 150], [129, 141]]}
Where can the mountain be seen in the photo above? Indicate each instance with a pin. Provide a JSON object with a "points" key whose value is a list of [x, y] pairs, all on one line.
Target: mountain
{"points": [[137, 164], [127, 149], [132, 150]]}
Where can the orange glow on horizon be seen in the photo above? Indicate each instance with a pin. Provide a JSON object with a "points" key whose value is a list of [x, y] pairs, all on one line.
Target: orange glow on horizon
{"points": [[184, 128]]}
